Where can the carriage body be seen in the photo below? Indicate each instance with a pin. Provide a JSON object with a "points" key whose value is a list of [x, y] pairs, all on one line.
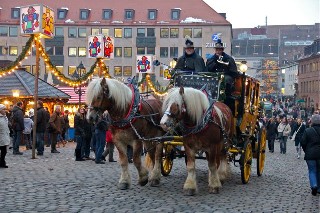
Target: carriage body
{"points": [[249, 140]]}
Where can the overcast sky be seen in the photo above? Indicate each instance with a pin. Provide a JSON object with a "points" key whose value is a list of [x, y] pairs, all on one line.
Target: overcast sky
{"points": [[251, 13]]}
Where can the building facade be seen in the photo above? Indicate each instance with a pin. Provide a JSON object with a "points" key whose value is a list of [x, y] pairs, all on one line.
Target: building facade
{"points": [[138, 27]]}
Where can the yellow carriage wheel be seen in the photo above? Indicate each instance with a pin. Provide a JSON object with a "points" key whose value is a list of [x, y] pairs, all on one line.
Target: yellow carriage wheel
{"points": [[245, 162], [167, 159], [261, 155]]}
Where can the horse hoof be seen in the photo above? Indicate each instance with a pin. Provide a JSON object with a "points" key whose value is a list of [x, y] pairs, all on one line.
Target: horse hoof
{"points": [[123, 186], [155, 182], [143, 182], [214, 190], [190, 192]]}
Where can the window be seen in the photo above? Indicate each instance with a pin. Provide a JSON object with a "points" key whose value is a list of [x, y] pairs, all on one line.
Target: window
{"points": [[152, 14], [175, 14], [117, 71], [71, 70], [106, 14], [141, 51], [117, 32], [95, 31], [13, 50], [164, 32], [58, 50], [128, 14], [151, 32], [82, 52], [34, 69], [127, 51], [3, 31], [84, 14], [49, 50], [13, 31], [15, 13], [163, 52], [72, 51], [60, 68], [198, 50], [118, 52], [105, 31], [173, 52], [187, 32], [59, 31], [174, 32], [72, 32], [128, 32], [141, 32], [127, 71], [151, 50], [62, 13], [28, 68], [197, 33], [82, 32]]}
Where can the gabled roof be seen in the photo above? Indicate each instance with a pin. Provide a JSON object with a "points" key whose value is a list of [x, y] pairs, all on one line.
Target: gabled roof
{"points": [[24, 82], [196, 9]]}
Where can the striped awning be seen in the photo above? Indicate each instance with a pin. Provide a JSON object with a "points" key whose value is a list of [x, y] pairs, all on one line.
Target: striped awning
{"points": [[74, 96]]}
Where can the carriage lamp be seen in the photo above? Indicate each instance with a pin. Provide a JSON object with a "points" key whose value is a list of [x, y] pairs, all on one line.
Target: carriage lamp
{"points": [[15, 93], [243, 66], [173, 62]]}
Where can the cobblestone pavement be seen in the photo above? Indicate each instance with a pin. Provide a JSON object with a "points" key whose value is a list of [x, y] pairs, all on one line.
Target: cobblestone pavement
{"points": [[57, 183]]}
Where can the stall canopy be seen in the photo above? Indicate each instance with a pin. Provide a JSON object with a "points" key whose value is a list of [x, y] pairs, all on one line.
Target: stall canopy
{"points": [[24, 82], [74, 97]]}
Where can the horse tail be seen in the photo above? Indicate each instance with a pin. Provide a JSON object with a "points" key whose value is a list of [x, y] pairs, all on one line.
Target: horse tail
{"points": [[148, 161]]}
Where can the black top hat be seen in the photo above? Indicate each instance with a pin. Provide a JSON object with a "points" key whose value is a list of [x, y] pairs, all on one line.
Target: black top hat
{"points": [[219, 44], [189, 43]]}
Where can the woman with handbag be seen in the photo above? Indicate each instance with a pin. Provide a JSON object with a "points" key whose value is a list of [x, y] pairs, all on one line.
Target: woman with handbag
{"points": [[284, 130], [297, 135]]}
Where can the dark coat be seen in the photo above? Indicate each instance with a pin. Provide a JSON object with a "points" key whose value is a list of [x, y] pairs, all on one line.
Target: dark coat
{"points": [[214, 66], [18, 119], [310, 143], [193, 62], [299, 133], [41, 120], [272, 130], [56, 122], [79, 124]]}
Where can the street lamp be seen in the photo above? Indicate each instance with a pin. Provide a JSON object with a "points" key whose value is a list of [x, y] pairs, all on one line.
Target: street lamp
{"points": [[77, 75]]}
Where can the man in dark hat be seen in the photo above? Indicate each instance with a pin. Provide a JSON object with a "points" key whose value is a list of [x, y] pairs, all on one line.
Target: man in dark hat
{"points": [[190, 61], [222, 62]]}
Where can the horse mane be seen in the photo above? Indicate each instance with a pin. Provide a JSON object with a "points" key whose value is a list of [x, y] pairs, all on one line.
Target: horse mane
{"points": [[196, 102], [118, 91]]}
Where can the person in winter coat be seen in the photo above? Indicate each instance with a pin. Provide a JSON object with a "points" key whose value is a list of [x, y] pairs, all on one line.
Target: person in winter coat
{"points": [[18, 126], [310, 143], [42, 119], [271, 133], [4, 136], [28, 125], [101, 127], [284, 131], [55, 123], [190, 61], [80, 134], [109, 147], [299, 128]]}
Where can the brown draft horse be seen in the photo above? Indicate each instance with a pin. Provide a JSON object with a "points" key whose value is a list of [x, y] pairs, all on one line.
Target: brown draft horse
{"points": [[130, 121], [203, 127]]}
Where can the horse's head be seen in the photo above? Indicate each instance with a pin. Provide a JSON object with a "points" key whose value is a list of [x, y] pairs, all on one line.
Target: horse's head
{"points": [[173, 109], [185, 104]]}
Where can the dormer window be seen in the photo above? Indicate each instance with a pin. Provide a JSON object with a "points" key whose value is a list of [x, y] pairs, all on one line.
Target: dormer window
{"points": [[84, 14], [15, 13], [106, 14], [175, 14], [62, 13], [152, 14], [129, 14]]}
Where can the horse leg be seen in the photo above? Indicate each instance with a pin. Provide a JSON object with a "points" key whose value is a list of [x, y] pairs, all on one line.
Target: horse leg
{"points": [[224, 170], [125, 179], [190, 186], [142, 171], [156, 171], [214, 181]]}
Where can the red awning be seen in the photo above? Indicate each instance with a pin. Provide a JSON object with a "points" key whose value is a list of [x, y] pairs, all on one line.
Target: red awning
{"points": [[74, 97]]}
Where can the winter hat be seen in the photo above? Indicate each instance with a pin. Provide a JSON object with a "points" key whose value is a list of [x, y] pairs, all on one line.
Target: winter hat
{"points": [[31, 112], [2, 106], [315, 119], [189, 43]]}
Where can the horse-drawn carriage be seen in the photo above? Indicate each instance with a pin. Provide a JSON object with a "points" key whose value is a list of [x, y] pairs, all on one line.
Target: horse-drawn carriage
{"points": [[226, 128], [248, 140]]}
